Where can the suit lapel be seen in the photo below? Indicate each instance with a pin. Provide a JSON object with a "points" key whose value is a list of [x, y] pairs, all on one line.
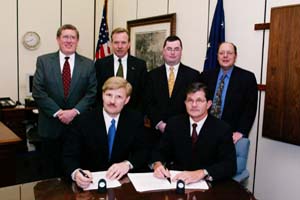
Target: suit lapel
{"points": [[231, 88], [178, 81], [57, 73], [110, 66], [164, 84], [76, 73], [130, 70]]}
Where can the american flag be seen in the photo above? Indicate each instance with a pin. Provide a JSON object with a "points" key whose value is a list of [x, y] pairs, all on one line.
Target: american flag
{"points": [[216, 36], [102, 48]]}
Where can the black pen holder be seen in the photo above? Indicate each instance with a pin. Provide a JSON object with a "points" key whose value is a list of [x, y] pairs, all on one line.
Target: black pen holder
{"points": [[102, 187], [180, 187]]}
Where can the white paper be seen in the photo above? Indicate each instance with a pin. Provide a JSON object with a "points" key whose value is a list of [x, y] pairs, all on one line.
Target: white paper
{"points": [[101, 175], [147, 182]]}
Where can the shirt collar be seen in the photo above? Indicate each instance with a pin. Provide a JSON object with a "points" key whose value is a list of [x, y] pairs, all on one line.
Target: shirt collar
{"points": [[228, 73], [124, 59], [108, 118]]}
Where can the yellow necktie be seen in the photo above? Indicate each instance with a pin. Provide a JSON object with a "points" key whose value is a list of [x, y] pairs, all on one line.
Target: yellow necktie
{"points": [[171, 80]]}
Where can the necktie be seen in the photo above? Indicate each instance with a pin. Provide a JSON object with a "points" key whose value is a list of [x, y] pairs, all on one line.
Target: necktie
{"points": [[171, 80], [111, 137], [217, 103], [66, 77], [120, 69], [194, 134]]}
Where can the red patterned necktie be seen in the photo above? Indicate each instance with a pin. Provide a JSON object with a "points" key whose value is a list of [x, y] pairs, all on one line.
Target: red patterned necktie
{"points": [[66, 77], [194, 134]]}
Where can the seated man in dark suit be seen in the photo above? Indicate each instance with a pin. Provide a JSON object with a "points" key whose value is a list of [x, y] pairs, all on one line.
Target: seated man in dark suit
{"points": [[197, 143], [109, 138]]}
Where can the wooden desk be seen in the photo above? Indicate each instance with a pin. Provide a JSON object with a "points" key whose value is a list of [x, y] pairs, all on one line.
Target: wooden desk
{"points": [[8, 145], [14, 118], [56, 189]]}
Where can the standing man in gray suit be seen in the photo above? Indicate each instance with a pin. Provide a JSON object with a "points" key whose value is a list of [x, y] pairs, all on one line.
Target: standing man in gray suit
{"points": [[64, 86]]}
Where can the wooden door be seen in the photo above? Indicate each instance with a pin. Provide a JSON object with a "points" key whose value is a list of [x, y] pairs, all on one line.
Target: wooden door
{"points": [[282, 102]]}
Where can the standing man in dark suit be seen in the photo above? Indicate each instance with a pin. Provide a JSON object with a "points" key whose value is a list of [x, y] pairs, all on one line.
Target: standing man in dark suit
{"points": [[122, 64], [166, 85], [197, 143], [239, 93], [64, 86], [89, 148]]}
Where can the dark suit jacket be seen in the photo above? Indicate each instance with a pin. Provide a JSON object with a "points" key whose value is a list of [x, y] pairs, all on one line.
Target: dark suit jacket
{"points": [[87, 146], [136, 76], [159, 106], [48, 91], [214, 149], [241, 98]]}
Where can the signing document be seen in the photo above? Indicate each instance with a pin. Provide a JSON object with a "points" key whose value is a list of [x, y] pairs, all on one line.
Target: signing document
{"points": [[143, 182], [101, 175]]}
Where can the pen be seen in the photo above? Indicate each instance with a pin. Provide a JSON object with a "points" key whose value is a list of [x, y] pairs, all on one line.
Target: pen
{"points": [[168, 178], [84, 174]]}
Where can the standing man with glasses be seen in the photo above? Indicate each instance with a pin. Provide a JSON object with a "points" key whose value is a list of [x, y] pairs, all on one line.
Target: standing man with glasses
{"points": [[120, 63], [64, 86], [165, 88], [235, 92]]}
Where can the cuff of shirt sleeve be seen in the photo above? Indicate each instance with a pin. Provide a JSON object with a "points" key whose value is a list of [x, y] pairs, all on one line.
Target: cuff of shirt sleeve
{"points": [[207, 176], [129, 164], [157, 125], [73, 174]]}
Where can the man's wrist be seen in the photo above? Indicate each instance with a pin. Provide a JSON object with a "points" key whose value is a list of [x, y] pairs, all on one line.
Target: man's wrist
{"points": [[207, 176], [129, 164]]}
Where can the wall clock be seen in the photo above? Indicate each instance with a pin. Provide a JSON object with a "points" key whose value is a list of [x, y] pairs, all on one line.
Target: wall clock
{"points": [[31, 40]]}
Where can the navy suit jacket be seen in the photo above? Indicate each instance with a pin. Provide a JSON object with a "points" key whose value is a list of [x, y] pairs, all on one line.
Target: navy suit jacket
{"points": [[241, 98], [136, 76], [48, 91], [214, 150], [87, 145], [159, 106]]}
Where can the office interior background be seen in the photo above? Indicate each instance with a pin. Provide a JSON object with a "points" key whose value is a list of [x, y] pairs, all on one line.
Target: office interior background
{"points": [[274, 166]]}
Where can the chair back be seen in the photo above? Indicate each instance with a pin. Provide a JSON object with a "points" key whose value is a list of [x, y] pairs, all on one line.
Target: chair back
{"points": [[242, 150]]}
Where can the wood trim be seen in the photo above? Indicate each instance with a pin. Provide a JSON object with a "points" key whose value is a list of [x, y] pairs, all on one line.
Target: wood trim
{"points": [[261, 87], [262, 26]]}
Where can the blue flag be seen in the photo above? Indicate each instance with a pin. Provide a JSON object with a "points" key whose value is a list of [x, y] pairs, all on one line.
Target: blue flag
{"points": [[216, 36]]}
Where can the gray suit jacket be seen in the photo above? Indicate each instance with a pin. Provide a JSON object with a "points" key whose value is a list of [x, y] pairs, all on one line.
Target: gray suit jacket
{"points": [[48, 90]]}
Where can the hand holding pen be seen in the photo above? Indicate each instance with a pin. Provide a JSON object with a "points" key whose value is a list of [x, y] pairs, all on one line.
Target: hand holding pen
{"points": [[83, 178], [161, 172]]}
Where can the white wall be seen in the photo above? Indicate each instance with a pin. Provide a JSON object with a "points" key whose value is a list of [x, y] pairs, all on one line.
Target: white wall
{"points": [[275, 166]]}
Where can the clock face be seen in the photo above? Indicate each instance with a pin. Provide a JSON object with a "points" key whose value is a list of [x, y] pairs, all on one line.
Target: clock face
{"points": [[31, 40]]}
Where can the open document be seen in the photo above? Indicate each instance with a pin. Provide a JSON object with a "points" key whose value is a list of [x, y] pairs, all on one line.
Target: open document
{"points": [[101, 175], [143, 182]]}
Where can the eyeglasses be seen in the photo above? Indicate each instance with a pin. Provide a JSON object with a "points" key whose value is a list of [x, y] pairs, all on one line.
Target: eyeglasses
{"points": [[69, 37], [229, 53], [197, 101], [169, 49]]}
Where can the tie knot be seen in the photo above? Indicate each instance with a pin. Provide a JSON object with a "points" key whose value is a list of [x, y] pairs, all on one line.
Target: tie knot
{"points": [[223, 77], [120, 61], [194, 125], [171, 68], [67, 58], [113, 121]]}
